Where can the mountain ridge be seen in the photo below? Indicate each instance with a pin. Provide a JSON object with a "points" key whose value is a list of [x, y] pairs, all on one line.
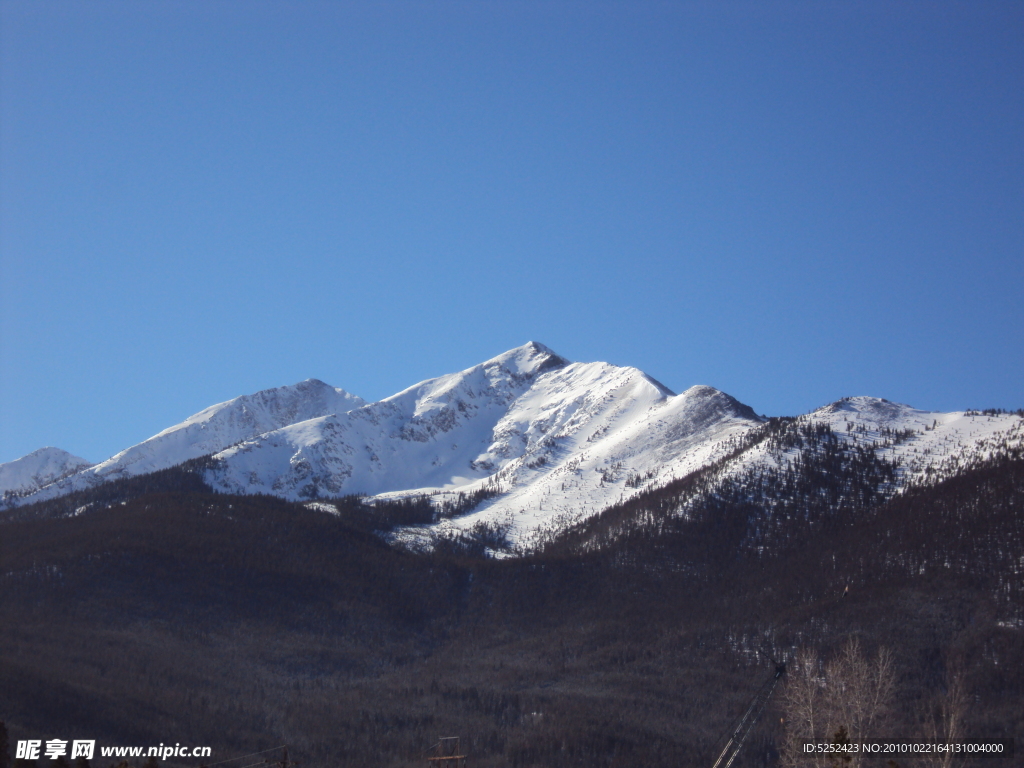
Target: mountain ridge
{"points": [[539, 442], [208, 431], [37, 469]]}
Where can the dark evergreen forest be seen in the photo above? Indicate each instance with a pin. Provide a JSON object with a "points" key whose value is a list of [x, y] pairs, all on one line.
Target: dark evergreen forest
{"points": [[162, 612]]}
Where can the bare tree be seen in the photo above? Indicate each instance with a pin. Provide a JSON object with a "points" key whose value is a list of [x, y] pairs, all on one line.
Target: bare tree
{"points": [[841, 700], [803, 708], [943, 722]]}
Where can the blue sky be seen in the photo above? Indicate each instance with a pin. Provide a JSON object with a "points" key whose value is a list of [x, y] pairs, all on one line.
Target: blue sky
{"points": [[792, 202]]}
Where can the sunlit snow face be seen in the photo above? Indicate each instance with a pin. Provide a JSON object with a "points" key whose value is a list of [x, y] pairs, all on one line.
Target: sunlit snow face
{"points": [[550, 442]]}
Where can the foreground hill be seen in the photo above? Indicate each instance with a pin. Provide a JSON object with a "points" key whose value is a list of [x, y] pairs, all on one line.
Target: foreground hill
{"points": [[245, 622]]}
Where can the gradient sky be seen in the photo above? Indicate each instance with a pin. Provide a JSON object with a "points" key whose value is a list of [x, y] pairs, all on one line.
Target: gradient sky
{"points": [[791, 202]]}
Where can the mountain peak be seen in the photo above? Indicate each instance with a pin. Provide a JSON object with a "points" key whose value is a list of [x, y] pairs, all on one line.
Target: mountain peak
{"points": [[39, 468], [529, 359], [875, 409], [209, 431], [722, 401]]}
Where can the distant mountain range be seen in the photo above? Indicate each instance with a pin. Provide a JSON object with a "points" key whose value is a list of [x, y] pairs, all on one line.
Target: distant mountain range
{"points": [[545, 443]]}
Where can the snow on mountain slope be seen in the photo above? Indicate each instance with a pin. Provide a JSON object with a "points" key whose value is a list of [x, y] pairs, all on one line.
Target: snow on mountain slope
{"points": [[551, 442], [431, 434], [37, 469], [211, 430], [924, 446], [629, 434], [560, 440], [670, 437]]}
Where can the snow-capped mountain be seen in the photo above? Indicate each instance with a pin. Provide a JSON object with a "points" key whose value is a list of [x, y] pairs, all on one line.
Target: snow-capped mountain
{"points": [[703, 427], [836, 466], [209, 431], [922, 445], [925, 444], [557, 440], [548, 442], [435, 433], [40, 468], [626, 433]]}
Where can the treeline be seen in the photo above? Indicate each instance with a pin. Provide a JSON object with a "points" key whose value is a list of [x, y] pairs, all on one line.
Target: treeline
{"points": [[380, 515], [828, 490], [186, 477], [383, 515], [815, 477]]}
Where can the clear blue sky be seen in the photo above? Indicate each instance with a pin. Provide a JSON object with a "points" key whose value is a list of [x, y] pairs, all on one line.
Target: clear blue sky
{"points": [[791, 202]]}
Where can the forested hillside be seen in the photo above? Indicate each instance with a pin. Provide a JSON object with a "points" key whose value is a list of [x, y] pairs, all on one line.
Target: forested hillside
{"points": [[246, 622]]}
